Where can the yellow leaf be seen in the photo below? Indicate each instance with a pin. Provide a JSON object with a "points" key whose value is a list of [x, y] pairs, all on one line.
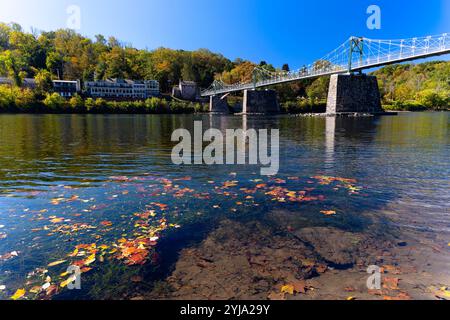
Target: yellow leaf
{"points": [[19, 294], [90, 260], [444, 293], [56, 263], [35, 290], [69, 280], [289, 289], [351, 298], [74, 253]]}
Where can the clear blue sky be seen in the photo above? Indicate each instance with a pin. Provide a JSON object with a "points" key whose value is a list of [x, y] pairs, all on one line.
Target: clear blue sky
{"points": [[278, 31]]}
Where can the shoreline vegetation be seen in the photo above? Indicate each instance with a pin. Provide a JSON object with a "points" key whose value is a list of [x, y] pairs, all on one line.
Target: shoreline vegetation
{"points": [[65, 54], [23, 100]]}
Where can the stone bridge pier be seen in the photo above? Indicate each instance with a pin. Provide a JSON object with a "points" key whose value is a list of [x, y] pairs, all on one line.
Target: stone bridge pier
{"points": [[351, 93], [218, 104], [260, 102]]}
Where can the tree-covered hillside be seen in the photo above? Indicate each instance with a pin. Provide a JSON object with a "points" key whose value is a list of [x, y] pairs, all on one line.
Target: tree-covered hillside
{"points": [[416, 85], [68, 55]]}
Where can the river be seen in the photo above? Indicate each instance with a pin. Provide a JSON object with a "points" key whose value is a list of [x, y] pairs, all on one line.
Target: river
{"points": [[100, 192]]}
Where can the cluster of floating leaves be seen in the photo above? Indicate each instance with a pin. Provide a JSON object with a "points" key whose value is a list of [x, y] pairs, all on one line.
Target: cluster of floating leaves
{"points": [[148, 226]]}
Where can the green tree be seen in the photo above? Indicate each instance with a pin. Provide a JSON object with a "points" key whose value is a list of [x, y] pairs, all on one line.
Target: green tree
{"points": [[44, 81], [319, 88], [54, 102], [55, 64], [432, 99], [12, 64]]}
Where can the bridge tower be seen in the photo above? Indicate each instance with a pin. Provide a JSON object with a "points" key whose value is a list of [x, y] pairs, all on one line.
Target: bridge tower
{"points": [[354, 93], [260, 102], [218, 104]]}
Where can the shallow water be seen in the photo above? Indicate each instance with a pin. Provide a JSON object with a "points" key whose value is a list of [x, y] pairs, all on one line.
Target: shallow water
{"points": [[108, 180]]}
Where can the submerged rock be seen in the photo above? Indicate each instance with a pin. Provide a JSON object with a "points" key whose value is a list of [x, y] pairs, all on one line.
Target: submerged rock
{"points": [[337, 247], [241, 261]]}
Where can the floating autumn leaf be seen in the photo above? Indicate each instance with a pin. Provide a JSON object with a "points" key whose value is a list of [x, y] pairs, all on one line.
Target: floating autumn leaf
{"points": [[56, 201], [19, 294], [321, 268], [65, 283], [106, 223], [443, 293], [57, 220], [74, 253], [8, 256], [390, 283], [351, 298], [390, 269], [287, 289], [90, 260], [73, 198], [56, 263], [85, 269], [162, 206], [51, 290], [36, 289], [328, 212], [375, 292], [138, 258]]}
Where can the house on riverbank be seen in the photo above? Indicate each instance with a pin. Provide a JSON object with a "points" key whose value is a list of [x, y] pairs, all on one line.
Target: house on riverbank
{"points": [[186, 90], [29, 83], [66, 88]]}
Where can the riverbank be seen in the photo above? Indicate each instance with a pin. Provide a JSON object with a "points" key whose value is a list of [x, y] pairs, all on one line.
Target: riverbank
{"points": [[19, 100]]}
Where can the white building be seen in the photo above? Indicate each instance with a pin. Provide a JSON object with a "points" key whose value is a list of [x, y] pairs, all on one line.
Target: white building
{"points": [[66, 88], [122, 89]]}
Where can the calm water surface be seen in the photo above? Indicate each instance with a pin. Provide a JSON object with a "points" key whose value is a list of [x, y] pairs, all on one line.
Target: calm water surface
{"points": [[74, 188]]}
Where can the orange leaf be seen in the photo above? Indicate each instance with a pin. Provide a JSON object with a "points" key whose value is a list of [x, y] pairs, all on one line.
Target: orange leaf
{"points": [[391, 283]]}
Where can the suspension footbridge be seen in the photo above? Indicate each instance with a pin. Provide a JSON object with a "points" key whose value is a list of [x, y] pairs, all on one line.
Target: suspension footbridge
{"points": [[354, 55]]}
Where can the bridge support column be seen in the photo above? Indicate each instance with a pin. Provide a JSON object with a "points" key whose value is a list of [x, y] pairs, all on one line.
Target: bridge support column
{"points": [[260, 102], [354, 93], [218, 104]]}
